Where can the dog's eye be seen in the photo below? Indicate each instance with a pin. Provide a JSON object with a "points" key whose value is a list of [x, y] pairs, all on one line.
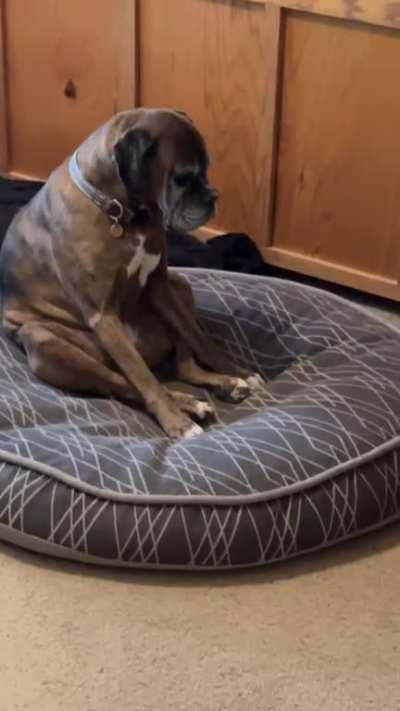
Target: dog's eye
{"points": [[184, 179]]}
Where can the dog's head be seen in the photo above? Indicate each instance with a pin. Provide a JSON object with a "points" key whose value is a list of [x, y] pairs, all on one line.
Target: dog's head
{"points": [[162, 158]]}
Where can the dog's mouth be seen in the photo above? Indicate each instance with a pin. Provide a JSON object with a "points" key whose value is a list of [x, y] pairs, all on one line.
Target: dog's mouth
{"points": [[190, 219]]}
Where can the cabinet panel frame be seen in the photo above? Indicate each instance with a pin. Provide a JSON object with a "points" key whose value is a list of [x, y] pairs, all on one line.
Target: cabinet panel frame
{"points": [[372, 12], [3, 94]]}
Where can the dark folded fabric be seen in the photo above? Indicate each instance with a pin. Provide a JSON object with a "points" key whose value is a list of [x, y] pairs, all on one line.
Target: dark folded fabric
{"points": [[13, 195], [230, 252]]}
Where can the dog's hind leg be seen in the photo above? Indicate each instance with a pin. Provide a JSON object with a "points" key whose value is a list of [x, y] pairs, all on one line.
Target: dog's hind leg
{"points": [[225, 387], [69, 359], [171, 296]]}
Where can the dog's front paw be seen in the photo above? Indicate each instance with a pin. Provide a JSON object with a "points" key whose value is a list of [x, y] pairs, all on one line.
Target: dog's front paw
{"points": [[193, 431], [201, 410], [177, 425], [238, 389], [233, 390], [255, 382]]}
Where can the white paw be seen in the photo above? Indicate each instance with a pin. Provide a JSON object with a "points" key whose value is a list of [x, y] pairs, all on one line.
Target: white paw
{"points": [[193, 431], [255, 382], [203, 410], [240, 391]]}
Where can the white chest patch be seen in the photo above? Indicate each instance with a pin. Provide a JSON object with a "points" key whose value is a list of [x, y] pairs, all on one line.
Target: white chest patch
{"points": [[148, 265], [142, 263]]}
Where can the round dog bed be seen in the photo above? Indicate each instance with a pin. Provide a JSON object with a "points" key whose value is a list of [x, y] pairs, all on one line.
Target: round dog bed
{"points": [[311, 459]]}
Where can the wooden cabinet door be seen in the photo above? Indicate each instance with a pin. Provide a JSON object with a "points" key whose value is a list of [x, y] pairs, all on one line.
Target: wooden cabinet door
{"points": [[68, 65], [337, 182]]}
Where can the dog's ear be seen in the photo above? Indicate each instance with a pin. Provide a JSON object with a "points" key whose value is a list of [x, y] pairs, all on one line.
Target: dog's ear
{"points": [[132, 152]]}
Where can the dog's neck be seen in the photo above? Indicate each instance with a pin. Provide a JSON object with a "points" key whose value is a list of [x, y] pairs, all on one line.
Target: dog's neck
{"points": [[95, 163]]}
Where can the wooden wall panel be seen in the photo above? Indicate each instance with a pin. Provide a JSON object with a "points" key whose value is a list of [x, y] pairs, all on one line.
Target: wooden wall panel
{"points": [[217, 60], [338, 179], [70, 66]]}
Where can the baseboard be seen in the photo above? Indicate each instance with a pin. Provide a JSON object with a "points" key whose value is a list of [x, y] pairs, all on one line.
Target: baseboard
{"points": [[333, 272]]}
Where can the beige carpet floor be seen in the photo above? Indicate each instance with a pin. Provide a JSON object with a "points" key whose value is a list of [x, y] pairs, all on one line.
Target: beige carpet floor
{"points": [[316, 634]]}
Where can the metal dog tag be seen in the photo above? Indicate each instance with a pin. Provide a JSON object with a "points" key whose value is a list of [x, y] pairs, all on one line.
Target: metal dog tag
{"points": [[116, 230]]}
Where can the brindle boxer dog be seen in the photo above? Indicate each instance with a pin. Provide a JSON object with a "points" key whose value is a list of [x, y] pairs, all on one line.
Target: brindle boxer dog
{"points": [[86, 290]]}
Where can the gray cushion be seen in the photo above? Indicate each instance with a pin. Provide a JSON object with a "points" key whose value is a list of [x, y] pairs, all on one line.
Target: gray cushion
{"points": [[310, 460]]}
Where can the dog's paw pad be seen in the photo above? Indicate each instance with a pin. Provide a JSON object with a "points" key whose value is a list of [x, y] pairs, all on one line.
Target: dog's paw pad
{"points": [[192, 431]]}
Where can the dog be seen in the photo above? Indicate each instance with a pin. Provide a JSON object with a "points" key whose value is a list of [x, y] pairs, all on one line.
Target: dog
{"points": [[86, 290]]}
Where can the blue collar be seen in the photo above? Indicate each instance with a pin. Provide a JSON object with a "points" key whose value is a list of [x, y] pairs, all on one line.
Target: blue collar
{"points": [[117, 213]]}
